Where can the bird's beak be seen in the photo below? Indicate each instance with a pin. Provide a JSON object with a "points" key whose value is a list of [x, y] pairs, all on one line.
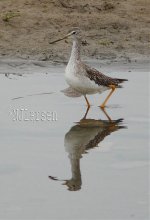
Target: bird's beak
{"points": [[68, 35]]}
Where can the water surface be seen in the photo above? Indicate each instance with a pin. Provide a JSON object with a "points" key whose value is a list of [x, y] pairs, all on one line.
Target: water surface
{"points": [[54, 168]]}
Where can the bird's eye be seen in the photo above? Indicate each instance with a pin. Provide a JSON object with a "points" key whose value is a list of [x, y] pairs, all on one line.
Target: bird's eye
{"points": [[74, 32]]}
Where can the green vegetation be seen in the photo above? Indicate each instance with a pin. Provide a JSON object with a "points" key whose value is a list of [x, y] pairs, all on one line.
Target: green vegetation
{"points": [[9, 15], [105, 42]]}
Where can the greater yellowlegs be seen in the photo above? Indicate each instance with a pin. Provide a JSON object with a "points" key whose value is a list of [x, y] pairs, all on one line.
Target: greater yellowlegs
{"points": [[85, 135], [83, 79]]}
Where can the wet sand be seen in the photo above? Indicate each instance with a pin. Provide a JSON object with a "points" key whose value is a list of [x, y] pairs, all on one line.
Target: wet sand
{"points": [[111, 29], [110, 169]]}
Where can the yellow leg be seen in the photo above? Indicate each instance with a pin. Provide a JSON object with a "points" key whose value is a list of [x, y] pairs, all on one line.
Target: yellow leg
{"points": [[88, 104], [112, 90], [87, 110], [106, 114]]}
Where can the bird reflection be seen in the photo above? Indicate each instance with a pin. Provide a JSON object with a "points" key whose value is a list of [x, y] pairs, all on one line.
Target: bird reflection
{"points": [[85, 135]]}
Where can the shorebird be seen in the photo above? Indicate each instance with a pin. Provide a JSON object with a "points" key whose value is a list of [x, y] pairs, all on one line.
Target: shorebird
{"points": [[85, 135], [81, 78]]}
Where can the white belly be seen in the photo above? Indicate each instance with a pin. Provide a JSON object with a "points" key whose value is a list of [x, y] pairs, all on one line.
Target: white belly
{"points": [[82, 83]]}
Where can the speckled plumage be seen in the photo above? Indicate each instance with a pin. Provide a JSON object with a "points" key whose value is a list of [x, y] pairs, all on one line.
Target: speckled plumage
{"points": [[81, 78], [84, 79], [101, 79]]}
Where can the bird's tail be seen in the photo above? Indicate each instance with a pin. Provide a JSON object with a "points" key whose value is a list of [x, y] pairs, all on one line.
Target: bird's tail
{"points": [[119, 81], [120, 120], [122, 80]]}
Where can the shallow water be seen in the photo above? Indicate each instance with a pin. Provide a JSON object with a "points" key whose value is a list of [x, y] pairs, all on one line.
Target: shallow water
{"points": [[54, 168]]}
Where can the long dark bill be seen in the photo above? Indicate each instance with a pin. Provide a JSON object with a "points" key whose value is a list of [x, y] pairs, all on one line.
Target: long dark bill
{"points": [[58, 39]]}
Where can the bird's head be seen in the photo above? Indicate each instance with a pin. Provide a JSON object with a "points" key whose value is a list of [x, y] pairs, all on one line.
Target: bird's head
{"points": [[74, 32]]}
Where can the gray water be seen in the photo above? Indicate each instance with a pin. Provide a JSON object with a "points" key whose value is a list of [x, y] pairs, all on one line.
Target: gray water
{"points": [[54, 168]]}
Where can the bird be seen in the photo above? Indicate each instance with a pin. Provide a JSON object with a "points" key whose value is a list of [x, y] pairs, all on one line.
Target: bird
{"points": [[87, 134], [82, 79]]}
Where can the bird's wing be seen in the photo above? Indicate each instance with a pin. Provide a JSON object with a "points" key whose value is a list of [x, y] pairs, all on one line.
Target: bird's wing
{"points": [[97, 139], [107, 128], [101, 79]]}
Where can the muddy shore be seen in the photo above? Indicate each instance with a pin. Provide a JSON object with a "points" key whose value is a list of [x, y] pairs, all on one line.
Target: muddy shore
{"points": [[111, 29]]}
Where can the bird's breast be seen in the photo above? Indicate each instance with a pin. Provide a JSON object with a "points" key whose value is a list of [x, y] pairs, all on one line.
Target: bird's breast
{"points": [[77, 79], [71, 74]]}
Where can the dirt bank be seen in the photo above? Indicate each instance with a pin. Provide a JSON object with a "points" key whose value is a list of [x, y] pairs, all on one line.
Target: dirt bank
{"points": [[113, 29]]}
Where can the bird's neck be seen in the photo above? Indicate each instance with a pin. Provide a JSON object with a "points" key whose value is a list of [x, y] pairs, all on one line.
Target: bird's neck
{"points": [[75, 168], [75, 53]]}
